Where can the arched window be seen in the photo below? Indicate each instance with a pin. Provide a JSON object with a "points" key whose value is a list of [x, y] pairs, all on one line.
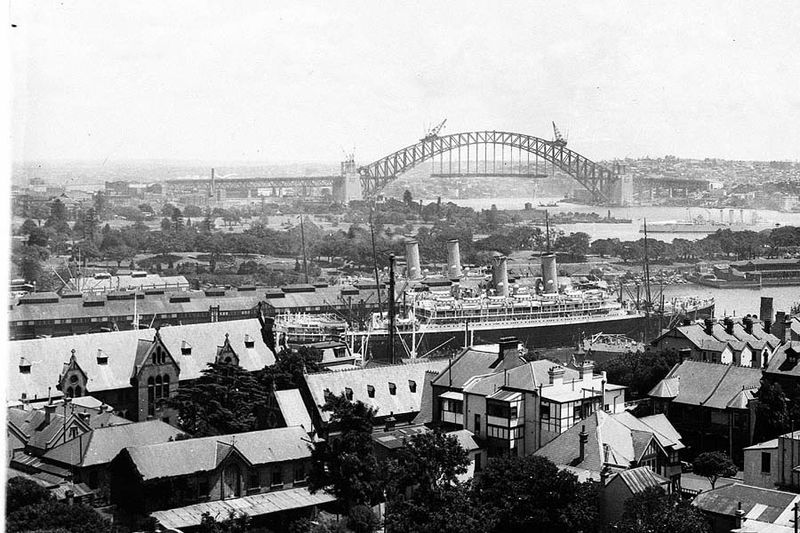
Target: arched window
{"points": [[78, 391], [151, 390], [166, 386], [159, 392], [70, 392]]}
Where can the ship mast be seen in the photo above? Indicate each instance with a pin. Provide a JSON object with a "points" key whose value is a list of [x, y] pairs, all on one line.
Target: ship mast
{"points": [[303, 243], [375, 261], [648, 297], [391, 308]]}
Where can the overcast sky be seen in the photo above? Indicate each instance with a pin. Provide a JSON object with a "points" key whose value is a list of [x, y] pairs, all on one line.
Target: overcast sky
{"points": [[284, 81]]}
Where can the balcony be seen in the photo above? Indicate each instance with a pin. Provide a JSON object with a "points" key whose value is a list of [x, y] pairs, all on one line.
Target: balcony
{"points": [[453, 418]]}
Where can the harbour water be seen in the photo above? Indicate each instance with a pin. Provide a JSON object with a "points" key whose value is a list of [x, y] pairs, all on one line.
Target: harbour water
{"points": [[764, 219]]}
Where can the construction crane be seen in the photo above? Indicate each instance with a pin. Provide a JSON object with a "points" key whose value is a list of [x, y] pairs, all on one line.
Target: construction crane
{"points": [[434, 132], [560, 140]]}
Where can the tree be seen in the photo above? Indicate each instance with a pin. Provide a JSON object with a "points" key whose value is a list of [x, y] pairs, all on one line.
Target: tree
{"points": [[408, 199], [713, 465], [30, 507], [423, 492], [38, 237], [773, 416], [27, 227], [523, 494], [344, 464], [654, 511], [234, 523], [639, 371], [226, 399], [290, 367]]}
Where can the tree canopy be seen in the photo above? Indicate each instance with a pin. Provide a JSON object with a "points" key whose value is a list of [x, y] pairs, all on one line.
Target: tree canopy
{"points": [[713, 465], [654, 511]]}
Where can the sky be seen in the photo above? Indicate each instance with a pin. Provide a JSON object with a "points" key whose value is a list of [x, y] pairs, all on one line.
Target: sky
{"points": [[305, 81]]}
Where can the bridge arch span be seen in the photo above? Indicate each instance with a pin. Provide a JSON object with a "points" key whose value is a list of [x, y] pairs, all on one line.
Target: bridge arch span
{"points": [[596, 178]]}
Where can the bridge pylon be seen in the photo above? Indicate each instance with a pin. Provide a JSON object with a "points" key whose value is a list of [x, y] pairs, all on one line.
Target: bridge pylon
{"points": [[348, 186]]}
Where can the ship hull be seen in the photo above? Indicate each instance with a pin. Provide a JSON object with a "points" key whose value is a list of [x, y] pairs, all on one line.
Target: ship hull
{"points": [[533, 336]]}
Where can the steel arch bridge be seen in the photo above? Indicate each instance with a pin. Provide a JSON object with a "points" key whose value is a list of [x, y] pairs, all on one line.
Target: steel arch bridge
{"points": [[594, 177]]}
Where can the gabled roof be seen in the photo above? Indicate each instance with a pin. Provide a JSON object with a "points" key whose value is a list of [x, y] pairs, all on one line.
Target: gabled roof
{"points": [[31, 427], [473, 361], [293, 409], [708, 384], [184, 457], [101, 445], [639, 479], [616, 440], [764, 505], [360, 380], [781, 364], [47, 356]]}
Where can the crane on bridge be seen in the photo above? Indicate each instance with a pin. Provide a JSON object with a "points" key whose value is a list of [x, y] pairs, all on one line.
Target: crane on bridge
{"points": [[560, 140], [434, 132]]}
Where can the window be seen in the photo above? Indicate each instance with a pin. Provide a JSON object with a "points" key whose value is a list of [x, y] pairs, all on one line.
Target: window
{"points": [[545, 411], [348, 393], [392, 389], [73, 432], [254, 481], [766, 462], [277, 478], [299, 472], [498, 409], [166, 386], [78, 391], [513, 412], [158, 392], [412, 385], [453, 406], [477, 424], [478, 465], [370, 391]]}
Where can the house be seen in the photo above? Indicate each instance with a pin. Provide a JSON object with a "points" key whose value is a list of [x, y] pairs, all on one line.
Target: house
{"points": [[392, 390], [261, 473], [613, 442], [746, 343], [623, 486], [774, 463], [136, 370], [784, 368], [89, 455], [739, 507], [708, 404], [336, 355], [516, 406]]}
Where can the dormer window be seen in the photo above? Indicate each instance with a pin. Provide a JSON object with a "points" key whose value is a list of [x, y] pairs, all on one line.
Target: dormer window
{"points": [[370, 391], [249, 342], [348, 393], [24, 366], [412, 385], [392, 389], [186, 348], [102, 357]]}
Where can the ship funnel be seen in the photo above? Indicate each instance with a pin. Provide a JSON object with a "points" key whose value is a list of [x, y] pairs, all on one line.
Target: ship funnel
{"points": [[414, 271], [500, 275], [549, 273], [453, 259]]}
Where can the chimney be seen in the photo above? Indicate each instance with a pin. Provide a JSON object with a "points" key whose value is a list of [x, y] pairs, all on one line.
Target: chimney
{"points": [[509, 348], [49, 411], [780, 325], [787, 329], [583, 438], [586, 371], [708, 326], [549, 273], [728, 321], [390, 422], [556, 375], [687, 321], [413, 269], [453, 260], [747, 323], [767, 325], [766, 311], [500, 275], [86, 417], [739, 516]]}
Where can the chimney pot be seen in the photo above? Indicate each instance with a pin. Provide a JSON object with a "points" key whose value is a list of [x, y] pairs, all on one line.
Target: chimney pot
{"points": [[583, 438]]}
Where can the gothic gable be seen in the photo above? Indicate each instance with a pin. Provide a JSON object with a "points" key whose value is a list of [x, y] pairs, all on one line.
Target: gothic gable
{"points": [[73, 380], [153, 354], [226, 353]]}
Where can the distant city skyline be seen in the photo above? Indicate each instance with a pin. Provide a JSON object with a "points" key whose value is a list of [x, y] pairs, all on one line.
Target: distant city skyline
{"points": [[278, 83]]}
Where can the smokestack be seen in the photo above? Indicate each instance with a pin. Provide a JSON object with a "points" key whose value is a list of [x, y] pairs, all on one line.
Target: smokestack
{"points": [[549, 274], [413, 269], [583, 438], [708, 326], [766, 311], [453, 259], [500, 275]]}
